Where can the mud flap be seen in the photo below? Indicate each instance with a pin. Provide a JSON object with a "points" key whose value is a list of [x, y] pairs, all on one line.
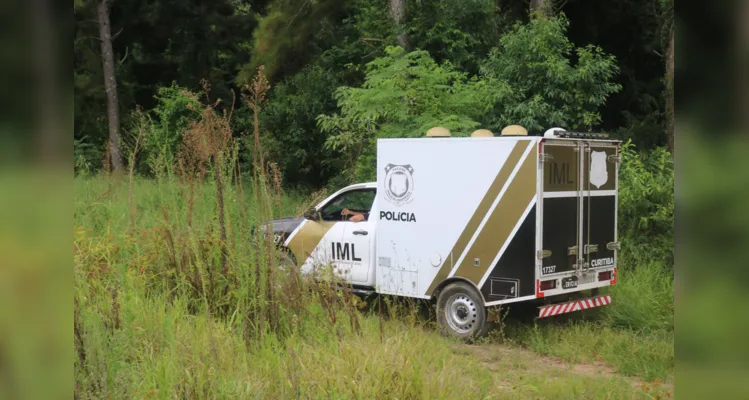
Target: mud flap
{"points": [[571, 306]]}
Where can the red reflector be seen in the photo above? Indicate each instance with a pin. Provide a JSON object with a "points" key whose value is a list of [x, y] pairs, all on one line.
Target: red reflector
{"points": [[604, 276], [546, 285]]}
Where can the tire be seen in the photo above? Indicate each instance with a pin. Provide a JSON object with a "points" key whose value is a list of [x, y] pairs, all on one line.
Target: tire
{"points": [[461, 312]]}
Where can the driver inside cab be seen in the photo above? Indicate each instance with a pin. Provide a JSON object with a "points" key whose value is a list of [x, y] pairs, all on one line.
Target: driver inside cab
{"points": [[355, 215]]}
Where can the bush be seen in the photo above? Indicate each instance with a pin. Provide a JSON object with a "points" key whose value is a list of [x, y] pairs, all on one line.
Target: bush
{"points": [[646, 206], [87, 157], [540, 79], [176, 110], [290, 133], [403, 95]]}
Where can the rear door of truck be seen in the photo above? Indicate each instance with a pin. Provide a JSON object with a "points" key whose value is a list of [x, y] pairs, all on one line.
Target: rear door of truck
{"points": [[560, 206], [578, 182], [599, 206]]}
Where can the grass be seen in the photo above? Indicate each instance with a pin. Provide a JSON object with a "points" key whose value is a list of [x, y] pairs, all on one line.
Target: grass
{"points": [[649, 356], [163, 351], [634, 334], [149, 325]]}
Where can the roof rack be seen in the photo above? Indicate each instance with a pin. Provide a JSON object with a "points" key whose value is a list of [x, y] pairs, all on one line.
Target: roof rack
{"points": [[581, 135]]}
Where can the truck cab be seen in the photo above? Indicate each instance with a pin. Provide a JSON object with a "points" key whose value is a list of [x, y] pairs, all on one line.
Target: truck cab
{"points": [[325, 236]]}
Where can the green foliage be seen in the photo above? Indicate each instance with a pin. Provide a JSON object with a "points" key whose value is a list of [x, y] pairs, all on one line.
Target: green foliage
{"points": [[289, 35], [403, 95], [646, 205], [537, 77], [459, 32], [86, 156], [155, 43], [292, 138], [629, 29], [177, 108], [541, 79], [528, 80]]}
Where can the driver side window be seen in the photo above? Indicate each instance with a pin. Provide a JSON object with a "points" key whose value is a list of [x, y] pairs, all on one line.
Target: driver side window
{"points": [[359, 200]]}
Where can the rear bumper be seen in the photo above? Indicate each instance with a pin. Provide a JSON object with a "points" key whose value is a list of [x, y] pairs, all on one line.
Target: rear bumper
{"points": [[571, 306]]}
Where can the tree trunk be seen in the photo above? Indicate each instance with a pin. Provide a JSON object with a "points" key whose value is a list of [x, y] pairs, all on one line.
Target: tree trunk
{"points": [[670, 111], [542, 6], [398, 14], [110, 84]]}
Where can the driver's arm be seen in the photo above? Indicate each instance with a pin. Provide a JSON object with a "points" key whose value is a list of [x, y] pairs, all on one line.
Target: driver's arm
{"points": [[355, 215]]}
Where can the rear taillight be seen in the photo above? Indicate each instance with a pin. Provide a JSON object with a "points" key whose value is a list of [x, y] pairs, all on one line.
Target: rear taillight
{"points": [[604, 276], [548, 285]]}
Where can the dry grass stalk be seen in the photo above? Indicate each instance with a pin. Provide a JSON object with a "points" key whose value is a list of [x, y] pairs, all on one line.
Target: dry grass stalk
{"points": [[141, 127], [264, 295]]}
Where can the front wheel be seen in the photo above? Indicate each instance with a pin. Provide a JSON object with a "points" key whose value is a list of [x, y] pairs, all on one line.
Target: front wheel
{"points": [[461, 312]]}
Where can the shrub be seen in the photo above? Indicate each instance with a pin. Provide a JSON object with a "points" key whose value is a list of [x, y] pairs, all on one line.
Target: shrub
{"points": [[292, 138], [646, 206], [540, 79], [87, 157], [176, 110], [403, 95]]}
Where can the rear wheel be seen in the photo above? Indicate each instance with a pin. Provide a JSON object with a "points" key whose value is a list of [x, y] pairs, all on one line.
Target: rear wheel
{"points": [[461, 312]]}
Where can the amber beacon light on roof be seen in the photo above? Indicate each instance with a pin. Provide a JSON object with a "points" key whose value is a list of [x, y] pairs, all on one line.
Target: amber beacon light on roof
{"points": [[438, 131]]}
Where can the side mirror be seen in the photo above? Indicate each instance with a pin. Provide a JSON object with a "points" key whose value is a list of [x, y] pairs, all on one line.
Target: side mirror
{"points": [[312, 214]]}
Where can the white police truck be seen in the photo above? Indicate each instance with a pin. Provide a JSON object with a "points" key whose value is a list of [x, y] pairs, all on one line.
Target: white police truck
{"points": [[473, 222]]}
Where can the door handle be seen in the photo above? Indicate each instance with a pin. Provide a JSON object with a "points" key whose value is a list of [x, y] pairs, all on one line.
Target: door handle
{"points": [[361, 233], [590, 248]]}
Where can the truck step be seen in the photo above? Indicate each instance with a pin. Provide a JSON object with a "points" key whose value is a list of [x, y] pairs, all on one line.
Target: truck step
{"points": [[571, 306]]}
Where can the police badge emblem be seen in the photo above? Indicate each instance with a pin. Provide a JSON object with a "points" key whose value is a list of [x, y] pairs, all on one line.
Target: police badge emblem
{"points": [[598, 173], [399, 183]]}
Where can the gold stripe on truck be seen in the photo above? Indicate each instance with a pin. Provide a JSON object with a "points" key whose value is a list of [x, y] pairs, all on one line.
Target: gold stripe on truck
{"points": [[501, 222], [491, 194], [310, 234]]}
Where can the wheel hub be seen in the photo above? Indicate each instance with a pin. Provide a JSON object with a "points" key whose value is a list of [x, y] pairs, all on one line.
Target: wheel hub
{"points": [[460, 313]]}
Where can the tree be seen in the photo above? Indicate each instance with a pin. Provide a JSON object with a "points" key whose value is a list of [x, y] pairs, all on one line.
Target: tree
{"points": [[667, 27], [545, 7], [541, 79], [670, 111], [535, 78], [110, 83], [397, 11], [289, 35], [292, 138], [460, 32], [633, 31], [403, 95]]}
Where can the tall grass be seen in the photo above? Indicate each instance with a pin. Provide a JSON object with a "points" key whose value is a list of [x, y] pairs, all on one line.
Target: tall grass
{"points": [[138, 334], [643, 300], [179, 248]]}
